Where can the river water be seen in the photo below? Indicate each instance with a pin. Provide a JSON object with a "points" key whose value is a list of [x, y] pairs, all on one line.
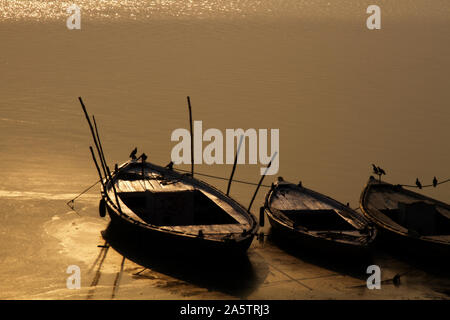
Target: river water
{"points": [[342, 96]]}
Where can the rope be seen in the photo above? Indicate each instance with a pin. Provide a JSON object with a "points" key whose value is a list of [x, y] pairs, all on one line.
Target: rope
{"points": [[70, 203], [425, 186], [222, 178]]}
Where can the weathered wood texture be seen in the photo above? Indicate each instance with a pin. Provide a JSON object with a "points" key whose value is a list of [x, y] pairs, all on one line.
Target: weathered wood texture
{"points": [[312, 215], [157, 180]]}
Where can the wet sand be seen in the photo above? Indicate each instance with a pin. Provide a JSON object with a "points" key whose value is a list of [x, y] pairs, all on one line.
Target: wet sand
{"points": [[269, 271]]}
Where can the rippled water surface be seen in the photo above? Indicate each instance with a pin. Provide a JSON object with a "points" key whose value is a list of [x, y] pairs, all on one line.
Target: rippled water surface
{"points": [[144, 9]]}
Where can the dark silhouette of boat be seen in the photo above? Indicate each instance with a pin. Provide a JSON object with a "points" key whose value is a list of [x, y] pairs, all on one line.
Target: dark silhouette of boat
{"points": [[174, 212], [316, 222], [407, 220]]}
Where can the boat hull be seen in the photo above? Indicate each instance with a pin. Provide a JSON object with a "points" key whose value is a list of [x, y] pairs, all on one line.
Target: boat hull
{"points": [[317, 224], [409, 246], [305, 243], [155, 241]]}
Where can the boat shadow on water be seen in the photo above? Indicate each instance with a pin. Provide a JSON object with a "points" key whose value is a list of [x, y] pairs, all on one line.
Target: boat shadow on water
{"points": [[232, 274], [428, 273], [352, 264], [436, 265]]}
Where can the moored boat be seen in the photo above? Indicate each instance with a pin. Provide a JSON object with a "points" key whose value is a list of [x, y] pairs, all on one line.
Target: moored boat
{"points": [[407, 220], [317, 222], [168, 210]]}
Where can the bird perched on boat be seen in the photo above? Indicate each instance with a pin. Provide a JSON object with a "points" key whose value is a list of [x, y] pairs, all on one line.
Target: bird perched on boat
{"points": [[418, 184], [143, 157], [435, 182], [170, 165], [133, 154], [381, 171], [375, 169]]}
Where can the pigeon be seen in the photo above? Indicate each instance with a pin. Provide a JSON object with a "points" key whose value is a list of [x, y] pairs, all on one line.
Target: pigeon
{"points": [[133, 154], [435, 182], [418, 184]]}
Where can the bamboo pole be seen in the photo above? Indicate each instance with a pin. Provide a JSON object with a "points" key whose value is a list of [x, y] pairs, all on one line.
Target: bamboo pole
{"points": [[99, 142], [234, 164], [96, 165], [93, 135], [257, 188], [260, 181], [192, 136]]}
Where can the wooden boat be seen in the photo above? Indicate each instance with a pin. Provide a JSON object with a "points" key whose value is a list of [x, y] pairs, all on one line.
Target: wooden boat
{"points": [[168, 210], [407, 219], [316, 221]]}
